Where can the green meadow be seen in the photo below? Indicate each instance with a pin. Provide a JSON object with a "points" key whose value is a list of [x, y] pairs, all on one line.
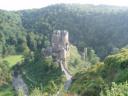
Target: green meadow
{"points": [[13, 59]]}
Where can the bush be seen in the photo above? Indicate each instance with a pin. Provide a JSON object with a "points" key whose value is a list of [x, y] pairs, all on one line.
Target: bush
{"points": [[38, 92], [42, 73], [88, 82], [116, 90], [117, 66], [5, 75]]}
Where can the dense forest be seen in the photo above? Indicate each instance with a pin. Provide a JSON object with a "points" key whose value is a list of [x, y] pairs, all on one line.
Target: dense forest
{"points": [[101, 29]]}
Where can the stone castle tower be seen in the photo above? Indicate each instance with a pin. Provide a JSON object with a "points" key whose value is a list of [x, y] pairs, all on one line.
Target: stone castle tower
{"points": [[60, 46], [60, 53]]}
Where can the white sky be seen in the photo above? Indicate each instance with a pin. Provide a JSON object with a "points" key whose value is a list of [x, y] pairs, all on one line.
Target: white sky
{"points": [[29, 4]]}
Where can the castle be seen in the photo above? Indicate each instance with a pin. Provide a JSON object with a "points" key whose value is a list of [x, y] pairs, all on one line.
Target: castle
{"points": [[60, 46], [60, 52]]}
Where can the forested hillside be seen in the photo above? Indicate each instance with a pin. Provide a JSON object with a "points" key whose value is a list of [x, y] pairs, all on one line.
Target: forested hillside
{"points": [[108, 78], [102, 30]]}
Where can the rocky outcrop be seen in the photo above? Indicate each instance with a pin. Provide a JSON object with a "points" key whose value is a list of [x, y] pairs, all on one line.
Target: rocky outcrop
{"points": [[19, 85]]}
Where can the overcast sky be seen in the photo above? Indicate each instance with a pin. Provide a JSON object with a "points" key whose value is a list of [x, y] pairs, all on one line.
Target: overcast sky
{"points": [[29, 4]]}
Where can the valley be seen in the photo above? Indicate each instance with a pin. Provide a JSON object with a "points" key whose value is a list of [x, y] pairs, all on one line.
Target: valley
{"points": [[64, 50]]}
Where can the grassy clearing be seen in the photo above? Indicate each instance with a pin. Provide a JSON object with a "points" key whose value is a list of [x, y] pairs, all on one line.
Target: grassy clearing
{"points": [[13, 59]]}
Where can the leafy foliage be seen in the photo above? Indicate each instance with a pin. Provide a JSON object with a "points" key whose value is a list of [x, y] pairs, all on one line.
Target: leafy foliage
{"points": [[91, 81], [6, 90], [117, 66], [75, 61], [88, 82], [42, 73], [116, 90], [5, 79], [38, 92], [4, 73]]}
